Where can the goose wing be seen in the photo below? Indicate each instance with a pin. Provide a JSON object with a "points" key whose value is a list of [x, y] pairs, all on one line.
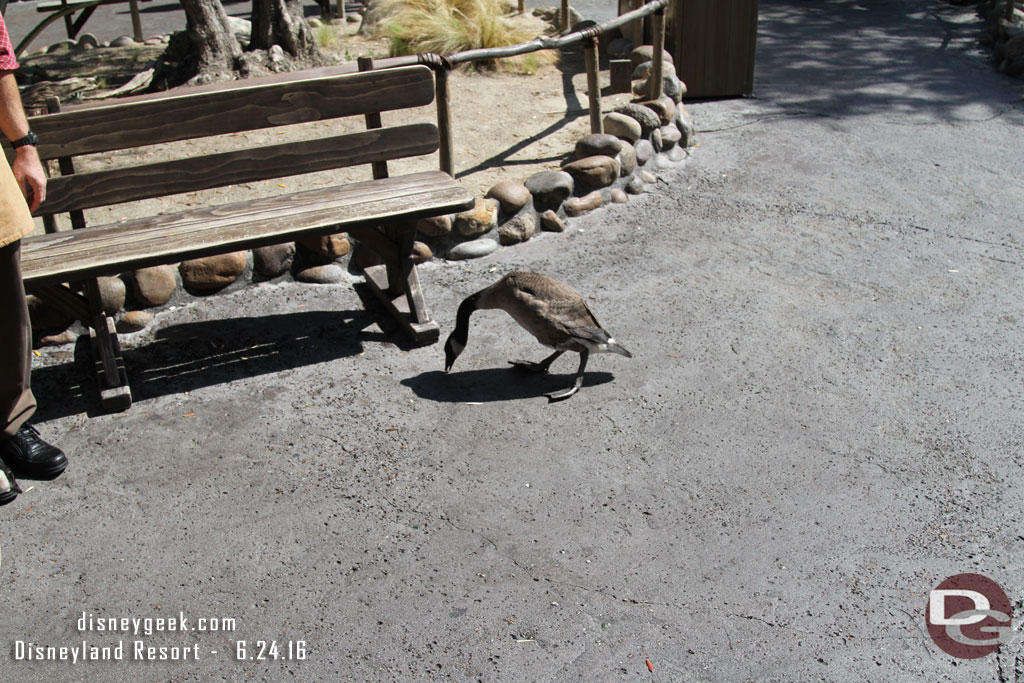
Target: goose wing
{"points": [[559, 313]]}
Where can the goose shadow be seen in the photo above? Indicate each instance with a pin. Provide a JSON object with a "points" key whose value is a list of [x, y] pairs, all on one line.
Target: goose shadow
{"points": [[494, 384]]}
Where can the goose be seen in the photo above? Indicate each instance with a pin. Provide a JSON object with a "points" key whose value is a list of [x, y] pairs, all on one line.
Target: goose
{"points": [[547, 308]]}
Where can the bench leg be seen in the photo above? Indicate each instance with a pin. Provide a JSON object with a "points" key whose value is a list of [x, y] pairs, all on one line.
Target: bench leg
{"points": [[396, 282], [115, 394]]}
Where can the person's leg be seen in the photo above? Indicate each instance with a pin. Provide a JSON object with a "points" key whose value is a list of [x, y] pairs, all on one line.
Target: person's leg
{"points": [[21, 449], [16, 400]]}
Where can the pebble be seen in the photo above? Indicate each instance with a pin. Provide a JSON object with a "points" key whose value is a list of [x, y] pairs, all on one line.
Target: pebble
{"points": [[511, 196], [211, 273], [619, 196], [580, 205], [472, 249], [550, 221], [685, 125], [593, 172], [671, 87], [623, 126], [664, 107], [596, 144], [656, 140], [478, 220], [153, 286], [421, 253], [328, 274], [122, 41], [273, 260], [635, 186], [645, 53], [519, 228], [65, 337], [550, 188], [627, 160], [87, 41], [133, 321], [436, 226]]}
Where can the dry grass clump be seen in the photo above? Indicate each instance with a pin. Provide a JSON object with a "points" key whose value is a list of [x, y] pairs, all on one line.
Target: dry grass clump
{"points": [[448, 26]]}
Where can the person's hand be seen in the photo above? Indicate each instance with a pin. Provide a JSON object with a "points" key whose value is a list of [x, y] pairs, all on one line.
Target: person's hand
{"points": [[28, 171]]}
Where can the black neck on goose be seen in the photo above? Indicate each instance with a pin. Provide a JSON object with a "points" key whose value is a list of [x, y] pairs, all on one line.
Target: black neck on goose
{"points": [[466, 308]]}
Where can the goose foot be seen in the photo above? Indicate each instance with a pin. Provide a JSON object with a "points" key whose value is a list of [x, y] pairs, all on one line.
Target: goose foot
{"points": [[536, 367], [564, 393]]}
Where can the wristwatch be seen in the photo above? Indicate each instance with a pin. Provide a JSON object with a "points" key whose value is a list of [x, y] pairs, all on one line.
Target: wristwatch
{"points": [[29, 139]]}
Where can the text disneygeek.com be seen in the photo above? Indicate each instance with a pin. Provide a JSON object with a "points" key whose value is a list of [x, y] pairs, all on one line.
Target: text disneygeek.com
{"points": [[99, 646]]}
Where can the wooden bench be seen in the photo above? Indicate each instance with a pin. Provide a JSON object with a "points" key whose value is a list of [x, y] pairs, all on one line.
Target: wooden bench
{"points": [[380, 213]]}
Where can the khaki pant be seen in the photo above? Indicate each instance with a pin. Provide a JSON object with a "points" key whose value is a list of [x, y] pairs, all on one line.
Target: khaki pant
{"points": [[16, 400]]}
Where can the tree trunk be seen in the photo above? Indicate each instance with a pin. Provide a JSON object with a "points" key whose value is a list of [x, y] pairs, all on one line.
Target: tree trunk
{"points": [[282, 22], [217, 49]]}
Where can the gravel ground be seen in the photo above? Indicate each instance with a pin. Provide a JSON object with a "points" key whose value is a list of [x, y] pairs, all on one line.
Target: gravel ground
{"points": [[821, 421]]}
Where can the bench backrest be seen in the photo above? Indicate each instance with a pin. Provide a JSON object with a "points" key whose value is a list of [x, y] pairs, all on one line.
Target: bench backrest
{"points": [[300, 97]]}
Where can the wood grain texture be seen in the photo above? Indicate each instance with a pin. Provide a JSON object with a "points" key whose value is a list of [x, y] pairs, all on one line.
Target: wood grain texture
{"points": [[246, 105], [112, 249], [101, 188], [714, 45]]}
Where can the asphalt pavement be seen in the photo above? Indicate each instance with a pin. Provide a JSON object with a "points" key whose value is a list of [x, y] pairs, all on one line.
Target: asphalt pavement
{"points": [[821, 422]]}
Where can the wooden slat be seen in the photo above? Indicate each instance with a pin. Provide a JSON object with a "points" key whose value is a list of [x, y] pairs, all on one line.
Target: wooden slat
{"points": [[101, 188], [112, 249], [250, 105]]}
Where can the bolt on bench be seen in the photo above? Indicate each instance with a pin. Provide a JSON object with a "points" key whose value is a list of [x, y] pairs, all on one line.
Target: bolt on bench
{"points": [[380, 213]]}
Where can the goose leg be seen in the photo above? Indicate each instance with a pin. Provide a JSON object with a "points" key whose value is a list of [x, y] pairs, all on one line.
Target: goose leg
{"points": [[566, 393], [537, 367]]}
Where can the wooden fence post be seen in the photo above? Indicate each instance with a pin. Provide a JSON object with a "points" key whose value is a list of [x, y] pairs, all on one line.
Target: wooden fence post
{"points": [[656, 84], [444, 119], [133, 6], [565, 15], [593, 86]]}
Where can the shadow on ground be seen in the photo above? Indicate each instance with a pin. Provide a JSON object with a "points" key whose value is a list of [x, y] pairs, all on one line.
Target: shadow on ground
{"points": [[494, 384], [190, 356]]}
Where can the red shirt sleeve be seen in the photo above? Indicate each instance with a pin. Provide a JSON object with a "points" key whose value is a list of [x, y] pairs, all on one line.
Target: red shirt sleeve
{"points": [[8, 62]]}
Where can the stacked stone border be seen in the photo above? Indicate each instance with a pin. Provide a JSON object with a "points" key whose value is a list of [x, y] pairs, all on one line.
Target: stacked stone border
{"points": [[1007, 26], [640, 138]]}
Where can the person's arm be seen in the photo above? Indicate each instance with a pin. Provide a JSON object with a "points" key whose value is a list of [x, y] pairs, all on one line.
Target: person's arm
{"points": [[28, 170]]}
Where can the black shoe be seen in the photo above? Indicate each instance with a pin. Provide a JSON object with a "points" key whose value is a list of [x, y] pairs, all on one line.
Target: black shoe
{"points": [[9, 488], [31, 457]]}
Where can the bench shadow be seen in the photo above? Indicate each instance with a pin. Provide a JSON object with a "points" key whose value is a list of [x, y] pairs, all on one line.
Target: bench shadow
{"points": [[494, 384], [189, 356]]}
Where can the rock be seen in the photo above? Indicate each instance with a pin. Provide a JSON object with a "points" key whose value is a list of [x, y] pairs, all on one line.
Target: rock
{"points": [[597, 144], [593, 172], [315, 22], [112, 293], [153, 286], [627, 160], [552, 15], [644, 151], [677, 154], [60, 46], [671, 87], [661, 161], [478, 220], [647, 177], [647, 119], [421, 253], [519, 228], [158, 40], [645, 53], [656, 141], [578, 205], [273, 260], [65, 337], [550, 221], [122, 41], [473, 249], [46, 318], [133, 321], [242, 28], [436, 226], [670, 136], [635, 186], [620, 47], [643, 71], [212, 272], [327, 274], [619, 196], [623, 126], [665, 109], [511, 196], [323, 249], [87, 41], [550, 189], [685, 125]]}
